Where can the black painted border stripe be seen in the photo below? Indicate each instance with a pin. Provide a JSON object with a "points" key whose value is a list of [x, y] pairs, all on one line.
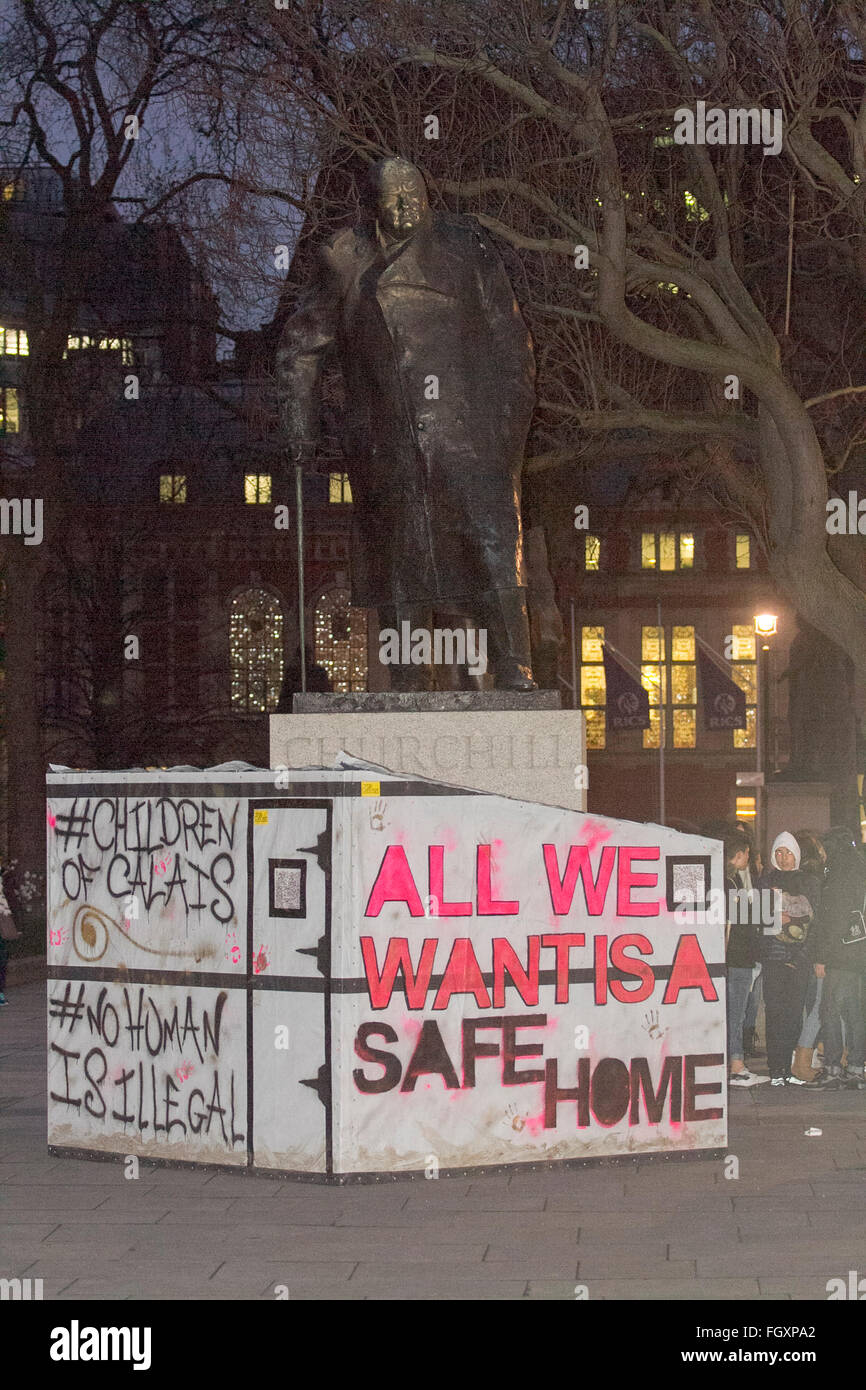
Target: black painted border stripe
{"points": [[256, 791], [312, 984]]}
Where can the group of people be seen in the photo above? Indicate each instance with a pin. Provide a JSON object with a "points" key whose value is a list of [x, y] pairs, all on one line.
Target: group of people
{"points": [[802, 947]]}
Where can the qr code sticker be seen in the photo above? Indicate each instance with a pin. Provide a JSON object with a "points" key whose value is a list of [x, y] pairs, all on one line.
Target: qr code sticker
{"points": [[688, 878], [287, 890]]}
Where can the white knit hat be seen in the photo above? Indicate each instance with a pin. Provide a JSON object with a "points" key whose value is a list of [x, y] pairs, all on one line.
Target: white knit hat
{"points": [[786, 841]]}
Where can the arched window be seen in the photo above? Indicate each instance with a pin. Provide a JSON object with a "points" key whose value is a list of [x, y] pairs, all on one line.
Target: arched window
{"points": [[256, 647], [341, 640]]}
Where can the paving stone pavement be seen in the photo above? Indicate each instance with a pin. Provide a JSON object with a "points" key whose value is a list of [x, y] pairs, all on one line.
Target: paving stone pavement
{"points": [[793, 1218]]}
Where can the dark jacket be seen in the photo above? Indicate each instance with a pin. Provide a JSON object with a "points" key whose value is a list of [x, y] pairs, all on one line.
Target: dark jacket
{"points": [[744, 936], [435, 468], [798, 883], [842, 900]]}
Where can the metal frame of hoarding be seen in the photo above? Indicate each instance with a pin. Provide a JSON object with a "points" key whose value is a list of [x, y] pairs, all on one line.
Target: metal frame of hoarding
{"points": [[407, 1174], [293, 983]]}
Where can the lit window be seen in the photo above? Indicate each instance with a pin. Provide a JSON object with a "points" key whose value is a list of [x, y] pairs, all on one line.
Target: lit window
{"points": [[341, 641], [743, 645], [172, 487], [591, 552], [685, 728], [593, 693], [652, 644], [744, 551], [667, 551], [744, 673], [339, 489], [126, 351], [257, 487], [745, 808], [682, 683], [653, 681], [683, 644], [256, 651], [13, 342], [591, 639], [10, 419], [684, 690], [13, 191], [652, 675]]}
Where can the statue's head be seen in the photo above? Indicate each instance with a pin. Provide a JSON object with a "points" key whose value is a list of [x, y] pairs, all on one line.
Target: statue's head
{"points": [[399, 196]]}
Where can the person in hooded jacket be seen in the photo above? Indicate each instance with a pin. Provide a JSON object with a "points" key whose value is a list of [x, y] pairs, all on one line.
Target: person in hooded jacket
{"points": [[840, 959], [741, 953], [813, 860], [786, 961]]}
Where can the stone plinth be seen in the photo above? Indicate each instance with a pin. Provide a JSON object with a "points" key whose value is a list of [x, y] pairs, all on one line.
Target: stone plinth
{"points": [[507, 742], [425, 702]]}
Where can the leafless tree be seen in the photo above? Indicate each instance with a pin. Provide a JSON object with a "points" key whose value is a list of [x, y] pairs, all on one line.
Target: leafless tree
{"points": [[556, 130], [93, 91]]}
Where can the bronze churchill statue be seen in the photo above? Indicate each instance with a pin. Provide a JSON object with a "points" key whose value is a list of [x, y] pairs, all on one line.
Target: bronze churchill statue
{"points": [[439, 374]]}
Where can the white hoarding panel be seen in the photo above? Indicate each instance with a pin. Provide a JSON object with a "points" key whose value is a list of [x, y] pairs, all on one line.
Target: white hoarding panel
{"points": [[524, 991], [144, 875], [365, 974], [289, 1116], [154, 1070], [291, 875]]}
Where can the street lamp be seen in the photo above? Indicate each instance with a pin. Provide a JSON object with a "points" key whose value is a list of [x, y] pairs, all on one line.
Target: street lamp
{"points": [[766, 625]]}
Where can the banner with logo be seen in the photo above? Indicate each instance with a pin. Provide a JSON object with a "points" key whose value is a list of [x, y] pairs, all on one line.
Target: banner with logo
{"points": [[627, 701], [724, 702]]}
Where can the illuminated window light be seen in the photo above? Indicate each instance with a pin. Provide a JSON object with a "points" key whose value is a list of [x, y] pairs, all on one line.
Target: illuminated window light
{"points": [[341, 641], [257, 487], [172, 487], [13, 342], [256, 651], [10, 417], [339, 489]]}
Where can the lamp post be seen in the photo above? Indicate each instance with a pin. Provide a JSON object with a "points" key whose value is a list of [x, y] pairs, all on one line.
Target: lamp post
{"points": [[765, 627]]}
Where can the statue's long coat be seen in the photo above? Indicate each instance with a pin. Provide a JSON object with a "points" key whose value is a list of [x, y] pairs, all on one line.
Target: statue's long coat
{"points": [[439, 374]]}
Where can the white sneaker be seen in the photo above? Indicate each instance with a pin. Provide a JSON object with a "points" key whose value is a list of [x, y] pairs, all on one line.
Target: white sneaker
{"points": [[777, 1081], [741, 1078]]}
